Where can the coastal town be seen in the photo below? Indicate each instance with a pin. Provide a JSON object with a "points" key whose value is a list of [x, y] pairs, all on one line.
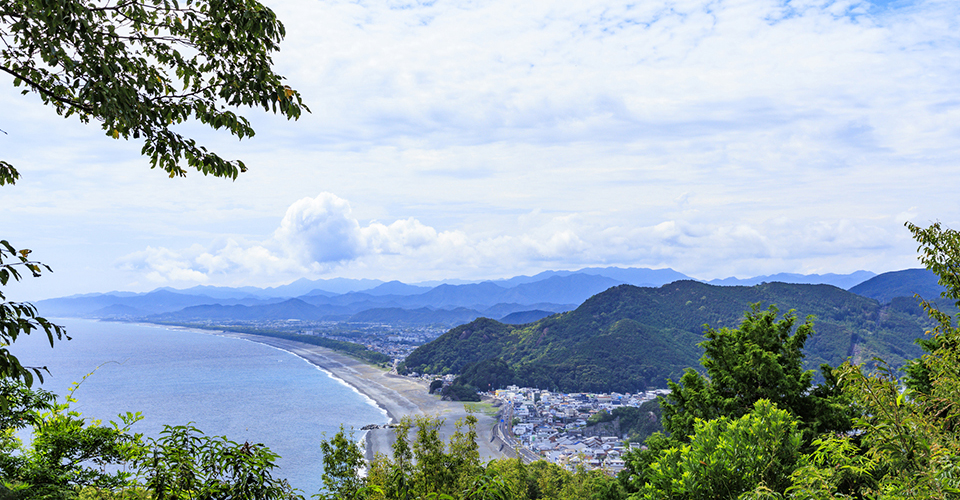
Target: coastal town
{"points": [[536, 424], [558, 427]]}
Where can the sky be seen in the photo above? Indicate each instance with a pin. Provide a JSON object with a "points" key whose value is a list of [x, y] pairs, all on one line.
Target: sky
{"points": [[475, 140]]}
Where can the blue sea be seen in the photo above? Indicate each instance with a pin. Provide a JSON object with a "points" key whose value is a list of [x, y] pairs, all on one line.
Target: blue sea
{"points": [[236, 388]]}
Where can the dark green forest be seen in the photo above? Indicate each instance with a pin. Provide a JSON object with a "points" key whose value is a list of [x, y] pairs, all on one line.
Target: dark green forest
{"points": [[628, 339]]}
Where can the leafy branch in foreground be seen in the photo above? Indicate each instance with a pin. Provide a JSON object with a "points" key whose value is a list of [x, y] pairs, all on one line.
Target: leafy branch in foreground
{"points": [[141, 67], [20, 318]]}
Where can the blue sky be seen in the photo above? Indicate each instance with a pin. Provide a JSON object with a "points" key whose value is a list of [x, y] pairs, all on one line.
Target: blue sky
{"points": [[476, 140]]}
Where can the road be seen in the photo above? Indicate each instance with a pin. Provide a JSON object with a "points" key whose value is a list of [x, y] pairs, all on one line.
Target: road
{"points": [[504, 431]]}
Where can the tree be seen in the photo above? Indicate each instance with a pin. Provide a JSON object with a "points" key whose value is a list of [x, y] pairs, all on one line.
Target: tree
{"points": [[141, 67], [342, 460], [185, 463], [906, 443], [66, 452], [763, 359], [727, 457], [940, 252]]}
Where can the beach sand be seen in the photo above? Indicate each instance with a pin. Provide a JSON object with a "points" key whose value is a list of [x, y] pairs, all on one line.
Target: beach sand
{"points": [[399, 396]]}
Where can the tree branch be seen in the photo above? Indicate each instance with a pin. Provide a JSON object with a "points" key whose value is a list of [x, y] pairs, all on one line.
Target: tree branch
{"points": [[39, 88]]}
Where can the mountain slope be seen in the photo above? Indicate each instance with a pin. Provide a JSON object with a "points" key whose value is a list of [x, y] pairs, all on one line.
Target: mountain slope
{"points": [[628, 338], [885, 287]]}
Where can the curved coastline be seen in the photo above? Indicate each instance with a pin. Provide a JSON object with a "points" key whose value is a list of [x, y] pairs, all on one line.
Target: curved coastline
{"points": [[397, 396]]}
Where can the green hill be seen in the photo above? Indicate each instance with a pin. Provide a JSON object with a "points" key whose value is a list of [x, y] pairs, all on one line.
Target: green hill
{"points": [[629, 338], [906, 283]]}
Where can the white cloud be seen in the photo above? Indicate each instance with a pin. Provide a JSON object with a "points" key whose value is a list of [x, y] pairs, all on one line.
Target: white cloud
{"points": [[484, 139], [321, 231], [161, 265], [320, 237]]}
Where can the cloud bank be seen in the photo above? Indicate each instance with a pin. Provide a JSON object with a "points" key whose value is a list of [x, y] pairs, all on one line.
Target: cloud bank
{"points": [[319, 237]]}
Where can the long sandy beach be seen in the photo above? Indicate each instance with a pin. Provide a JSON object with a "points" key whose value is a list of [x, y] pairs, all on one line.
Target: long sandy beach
{"points": [[398, 396]]}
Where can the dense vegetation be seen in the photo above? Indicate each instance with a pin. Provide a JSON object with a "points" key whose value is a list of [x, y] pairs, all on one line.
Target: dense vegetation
{"points": [[905, 283], [629, 338], [635, 422]]}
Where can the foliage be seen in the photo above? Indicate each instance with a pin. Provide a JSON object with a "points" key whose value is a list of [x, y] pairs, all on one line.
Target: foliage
{"points": [[426, 468], [600, 417], [489, 375], [66, 452], [22, 405], [342, 460], [460, 392], [637, 423], [183, 462], [142, 67], [628, 339], [20, 318], [69, 455], [760, 360], [906, 443], [940, 252], [728, 457]]}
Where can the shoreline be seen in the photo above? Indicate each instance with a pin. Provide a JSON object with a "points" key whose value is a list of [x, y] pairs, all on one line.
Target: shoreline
{"points": [[395, 395]]}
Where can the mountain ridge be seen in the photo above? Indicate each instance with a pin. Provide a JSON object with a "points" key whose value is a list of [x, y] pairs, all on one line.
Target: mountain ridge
{"points": [[629, 338], [555, 291]]}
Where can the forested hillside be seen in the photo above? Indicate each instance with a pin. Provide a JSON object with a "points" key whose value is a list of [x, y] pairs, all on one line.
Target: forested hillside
{"points": [[628, 338]]}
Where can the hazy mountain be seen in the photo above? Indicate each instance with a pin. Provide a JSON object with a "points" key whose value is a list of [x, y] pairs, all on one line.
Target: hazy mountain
{"points": [[397, 288], [288, 309], [219, 292], [845, 281], [304, 286], [118, 311], [552, 291], [887, 286], [524, 317], [155, 302], [638, 276], [572, 289], [501, 310]]}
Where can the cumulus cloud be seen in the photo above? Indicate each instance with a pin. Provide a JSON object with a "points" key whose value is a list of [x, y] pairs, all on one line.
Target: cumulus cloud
{"points": [[321, 230], [319, 236]]}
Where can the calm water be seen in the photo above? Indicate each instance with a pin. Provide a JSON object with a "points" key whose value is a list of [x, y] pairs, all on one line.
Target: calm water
{"points": [[243, 390]]}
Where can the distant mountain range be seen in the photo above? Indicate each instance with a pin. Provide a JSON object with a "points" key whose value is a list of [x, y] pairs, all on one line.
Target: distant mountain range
{"points": [[515, 300]]}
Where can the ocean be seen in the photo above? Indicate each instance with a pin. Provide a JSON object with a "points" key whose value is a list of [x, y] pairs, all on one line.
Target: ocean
{"points": [[224, 386]]}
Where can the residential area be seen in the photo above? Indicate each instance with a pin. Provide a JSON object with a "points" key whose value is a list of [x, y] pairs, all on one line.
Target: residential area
{"points": [[554, 426]]}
